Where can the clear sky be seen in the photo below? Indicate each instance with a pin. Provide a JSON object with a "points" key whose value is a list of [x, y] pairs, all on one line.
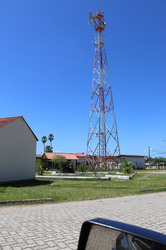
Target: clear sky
{"points": [[46, 65]]}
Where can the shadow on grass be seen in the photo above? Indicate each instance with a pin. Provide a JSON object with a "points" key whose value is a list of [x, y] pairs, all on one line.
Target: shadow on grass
{"points": [[26, 183]]}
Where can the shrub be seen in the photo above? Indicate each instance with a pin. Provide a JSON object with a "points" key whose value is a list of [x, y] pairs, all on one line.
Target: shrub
{"points": [[64, 165], [39, 167], [67, 169], [82, 168], [126, 166]]}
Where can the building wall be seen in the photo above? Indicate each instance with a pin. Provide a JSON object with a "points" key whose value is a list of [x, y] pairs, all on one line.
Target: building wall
{"points": [[17, 152], [48, 164], [139, 162], [74, 164], [81, 160]]}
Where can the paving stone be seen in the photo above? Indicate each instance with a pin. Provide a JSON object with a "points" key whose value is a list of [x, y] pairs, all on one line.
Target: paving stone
{"points": [[73, 246], [53, 226], [50, 243], [40, 242], [7, 248], [29, 241], [61, 245], [52, 248], [67, 248]]}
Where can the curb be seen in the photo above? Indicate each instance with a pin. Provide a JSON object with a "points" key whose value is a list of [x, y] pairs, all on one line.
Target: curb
{"points": [[25, 201], [121, 177], [131, 176], [72, 177]]}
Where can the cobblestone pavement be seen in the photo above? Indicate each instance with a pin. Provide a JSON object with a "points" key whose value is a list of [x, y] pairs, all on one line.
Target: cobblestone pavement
{"points": [[57, 226]]}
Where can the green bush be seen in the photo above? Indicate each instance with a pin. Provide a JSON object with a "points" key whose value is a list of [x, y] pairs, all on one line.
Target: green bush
{"points": [[126, 166], [67, 169], [82, 168], [63, 164], [39, 167]]}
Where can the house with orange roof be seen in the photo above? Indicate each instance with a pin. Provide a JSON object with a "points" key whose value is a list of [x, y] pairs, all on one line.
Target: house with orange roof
{"points": [[48, 157], [81, 158], [17, 150]]}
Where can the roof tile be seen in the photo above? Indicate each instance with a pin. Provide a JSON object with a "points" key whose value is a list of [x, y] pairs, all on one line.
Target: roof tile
{"points": [[79, 155], [6, 120], [50, 156]]}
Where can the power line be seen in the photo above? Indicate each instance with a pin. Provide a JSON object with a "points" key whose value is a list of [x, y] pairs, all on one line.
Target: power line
{"points": [[158, 152]]}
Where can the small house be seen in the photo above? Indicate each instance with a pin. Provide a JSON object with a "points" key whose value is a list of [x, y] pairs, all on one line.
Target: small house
{"points": [[81, 158], [47, 157], [17, 150]]}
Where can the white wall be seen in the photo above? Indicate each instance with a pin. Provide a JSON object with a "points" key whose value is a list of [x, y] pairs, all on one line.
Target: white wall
{"points": [[17, 152], [139, 162]]}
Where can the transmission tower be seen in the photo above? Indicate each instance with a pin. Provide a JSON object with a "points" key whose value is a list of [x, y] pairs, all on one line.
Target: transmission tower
{"points": [[103, 142]]}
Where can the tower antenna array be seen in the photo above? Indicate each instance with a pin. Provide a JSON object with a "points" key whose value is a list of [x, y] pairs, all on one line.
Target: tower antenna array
{"points": [[103, 142]]}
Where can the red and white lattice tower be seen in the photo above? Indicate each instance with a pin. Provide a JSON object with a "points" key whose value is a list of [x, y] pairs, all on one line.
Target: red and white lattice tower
{"points": [[103, 142]]}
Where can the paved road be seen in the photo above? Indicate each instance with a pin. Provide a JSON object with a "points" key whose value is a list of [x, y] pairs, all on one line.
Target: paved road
{"points": [[57, 226]]}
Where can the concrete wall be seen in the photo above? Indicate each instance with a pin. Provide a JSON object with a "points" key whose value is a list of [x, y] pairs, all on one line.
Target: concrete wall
{"points": [[17, 152], [139, 162]]}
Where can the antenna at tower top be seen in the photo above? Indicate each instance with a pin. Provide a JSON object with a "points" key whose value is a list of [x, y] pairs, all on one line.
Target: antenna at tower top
{"points": [[90, 17], [98, 19]]}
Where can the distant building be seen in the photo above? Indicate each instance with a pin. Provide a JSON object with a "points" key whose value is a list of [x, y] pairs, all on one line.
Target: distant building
{"points": [[38, 156], [47, 157], [81, 158], [17, 150], [137, 160]]}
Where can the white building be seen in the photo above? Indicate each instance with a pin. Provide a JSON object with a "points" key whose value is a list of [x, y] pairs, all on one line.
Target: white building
{"points": [[17, 150], [137, 160]]}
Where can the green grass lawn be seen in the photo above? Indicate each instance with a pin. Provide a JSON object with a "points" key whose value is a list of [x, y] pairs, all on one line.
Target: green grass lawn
{"points": [[73, 190]]}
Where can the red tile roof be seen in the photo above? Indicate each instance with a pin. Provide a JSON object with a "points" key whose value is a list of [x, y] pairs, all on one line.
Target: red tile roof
{"points": [[7, 120], [50, 156], [79, 155]]}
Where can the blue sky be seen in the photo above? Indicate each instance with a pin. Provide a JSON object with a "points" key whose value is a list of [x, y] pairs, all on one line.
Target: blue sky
{"points": [[46, 65]]}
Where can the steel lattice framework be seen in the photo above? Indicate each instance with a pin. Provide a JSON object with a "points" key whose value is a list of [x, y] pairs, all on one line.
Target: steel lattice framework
{"points": [[103, 142]]}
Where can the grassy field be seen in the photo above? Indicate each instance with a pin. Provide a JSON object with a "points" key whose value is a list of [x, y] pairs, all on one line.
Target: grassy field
{"points": [[73, 190]]}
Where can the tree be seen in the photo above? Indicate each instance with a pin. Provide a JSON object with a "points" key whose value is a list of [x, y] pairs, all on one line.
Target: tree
{"points": [[82, 168], [48, 149], [51, 138], [39, 167], [63, 164], [147, 159], [60, 160], [44, 139], [157, 160], [126, 166]]}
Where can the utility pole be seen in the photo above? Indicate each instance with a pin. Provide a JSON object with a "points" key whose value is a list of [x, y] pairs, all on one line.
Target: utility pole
{"points": [[149, 155], [103, 142]]}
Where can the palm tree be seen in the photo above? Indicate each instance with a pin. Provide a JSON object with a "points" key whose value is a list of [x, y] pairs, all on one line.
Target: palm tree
{"points": [[44, 139], [48, 149], [51, 138], [126, 166]]}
